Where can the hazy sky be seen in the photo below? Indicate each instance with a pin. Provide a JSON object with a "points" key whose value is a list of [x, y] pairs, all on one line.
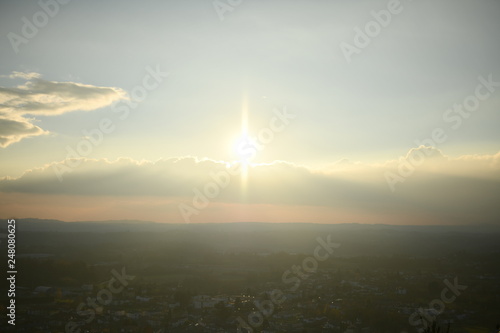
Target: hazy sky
{"points": [[138, 110]]}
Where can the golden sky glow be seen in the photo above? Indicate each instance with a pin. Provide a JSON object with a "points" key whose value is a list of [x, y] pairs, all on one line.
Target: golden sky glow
{"points": [[165, 111]]}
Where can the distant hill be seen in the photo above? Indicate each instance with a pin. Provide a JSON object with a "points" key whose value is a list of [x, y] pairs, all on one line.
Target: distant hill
{"points": [[355, 239], [34, 224]]}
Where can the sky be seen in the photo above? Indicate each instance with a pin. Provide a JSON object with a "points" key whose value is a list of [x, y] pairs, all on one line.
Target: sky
{"points": [[234, 110]]}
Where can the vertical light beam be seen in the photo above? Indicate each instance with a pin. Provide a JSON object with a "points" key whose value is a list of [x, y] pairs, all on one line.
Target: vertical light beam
{"points": [[244, 134]]}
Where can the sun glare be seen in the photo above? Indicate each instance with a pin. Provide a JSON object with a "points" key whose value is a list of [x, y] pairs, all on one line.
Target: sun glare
{"points": [[242, 149], [244, 159]]}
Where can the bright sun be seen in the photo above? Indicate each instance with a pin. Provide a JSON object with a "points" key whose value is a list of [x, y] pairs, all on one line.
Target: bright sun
{"points": [[242, 149], [242, 145]]}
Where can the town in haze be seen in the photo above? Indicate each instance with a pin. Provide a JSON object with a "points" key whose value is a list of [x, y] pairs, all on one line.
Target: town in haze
{"points": [[254, 277], [244, 166]]}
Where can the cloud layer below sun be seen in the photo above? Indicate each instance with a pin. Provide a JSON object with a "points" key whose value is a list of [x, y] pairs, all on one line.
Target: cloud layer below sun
{"points": [[441, 190], [48, 98]]}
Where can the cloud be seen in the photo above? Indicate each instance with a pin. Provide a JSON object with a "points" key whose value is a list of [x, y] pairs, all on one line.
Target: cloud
{"points": [[432, 161], [41, 97], [14, 130], [451, 190], [167, 177], [22, 75]]}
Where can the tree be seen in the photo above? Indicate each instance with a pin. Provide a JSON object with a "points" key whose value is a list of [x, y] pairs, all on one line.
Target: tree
{"points": [[434, 328]]}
